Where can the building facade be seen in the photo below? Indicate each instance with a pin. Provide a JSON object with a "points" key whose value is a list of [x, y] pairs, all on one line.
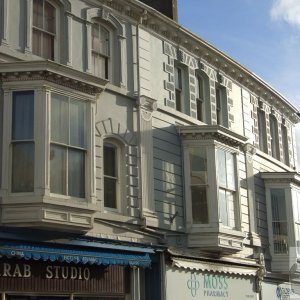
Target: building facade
{"points": [[138, 161]]}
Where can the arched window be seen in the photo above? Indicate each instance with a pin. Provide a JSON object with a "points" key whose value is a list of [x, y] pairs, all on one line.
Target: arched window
{"points": [[100, 51], [202, 97], [274, 137], [44, 29], [221, 106], [112, 175]]}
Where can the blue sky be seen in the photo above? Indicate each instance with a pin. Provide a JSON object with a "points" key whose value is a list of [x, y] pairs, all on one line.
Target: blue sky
{"points": [[262, 35]]}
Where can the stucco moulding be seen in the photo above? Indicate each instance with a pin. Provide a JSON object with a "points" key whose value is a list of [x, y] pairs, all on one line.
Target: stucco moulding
{"points": [[52, 72]]}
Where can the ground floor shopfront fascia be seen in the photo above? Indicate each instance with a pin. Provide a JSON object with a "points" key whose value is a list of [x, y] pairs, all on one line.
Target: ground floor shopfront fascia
{"points": [[188, 284], [278, 290], [37, 271]]}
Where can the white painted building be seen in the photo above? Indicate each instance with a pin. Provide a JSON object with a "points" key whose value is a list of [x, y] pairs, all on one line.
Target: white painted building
{"points": [[128, 141]]}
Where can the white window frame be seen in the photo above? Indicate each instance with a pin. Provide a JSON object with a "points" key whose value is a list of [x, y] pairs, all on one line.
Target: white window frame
{"points": [[221, 105], [71, 97], [57, 36], [274, 137], [212, 184], [262, 130], [120, 190], [284, 181], [202, 87]]}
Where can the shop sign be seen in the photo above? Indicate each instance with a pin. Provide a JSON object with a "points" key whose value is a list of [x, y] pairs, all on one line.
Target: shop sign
{"points": [[49, 271], [208, 286], [284, 291]]}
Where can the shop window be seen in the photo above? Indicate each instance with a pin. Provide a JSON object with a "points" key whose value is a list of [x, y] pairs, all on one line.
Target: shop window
{"points": [[285, 145], [101, 51], [202, 97], [44, 29], [274, 137], [111, 174], [221, 106], [261, 123], [22, 142], [68, 146]]}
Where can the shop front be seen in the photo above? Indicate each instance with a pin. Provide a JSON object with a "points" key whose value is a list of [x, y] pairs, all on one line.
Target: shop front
{"points": [[280, 291], [35, 271], [191, 279]]}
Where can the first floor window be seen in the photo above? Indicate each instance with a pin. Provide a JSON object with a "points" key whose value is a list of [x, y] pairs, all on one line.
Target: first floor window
{"points": [[262, 131], [274, 137], [221, 106], [68, 146], [198, 167], [279, 221], [227, 187], [22, 142], [111, 175]]}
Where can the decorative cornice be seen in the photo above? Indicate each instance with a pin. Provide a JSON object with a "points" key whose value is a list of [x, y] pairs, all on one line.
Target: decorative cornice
{"points": [[52, 72], [217, 133], [281, 177], [178, 35]]}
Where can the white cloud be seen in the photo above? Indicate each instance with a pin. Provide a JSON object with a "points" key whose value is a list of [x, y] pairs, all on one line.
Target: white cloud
{"points": [[287, 10]]}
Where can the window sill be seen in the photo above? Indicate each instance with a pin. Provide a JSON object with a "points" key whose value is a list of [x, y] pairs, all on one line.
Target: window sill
{"points": [[218, 239]]}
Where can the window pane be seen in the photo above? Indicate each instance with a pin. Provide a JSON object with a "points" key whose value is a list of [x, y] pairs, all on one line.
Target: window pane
{"points": [[58, 180], [36, 42], [221, 158], [48, 46], [76, 182], [95, 38], [22, 167], [198, 165], [279, 221], [49, 17], [223, 207], [178, 79], [104, 41], [110, 195], [77, 123], [230, 209], [59, 119], [199, 204], [109, 158], [100, 66], [23, 111], [38, 13], [230, 173]]}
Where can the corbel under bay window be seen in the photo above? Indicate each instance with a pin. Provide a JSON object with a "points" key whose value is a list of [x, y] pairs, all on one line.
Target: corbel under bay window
{"points": [[212, 190], [283, 209]]}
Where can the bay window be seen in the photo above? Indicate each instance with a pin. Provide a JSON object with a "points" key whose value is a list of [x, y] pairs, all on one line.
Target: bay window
{"points": [[212, 190], [283, 208], [22, 142], [68, 146], [43, 29]]}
